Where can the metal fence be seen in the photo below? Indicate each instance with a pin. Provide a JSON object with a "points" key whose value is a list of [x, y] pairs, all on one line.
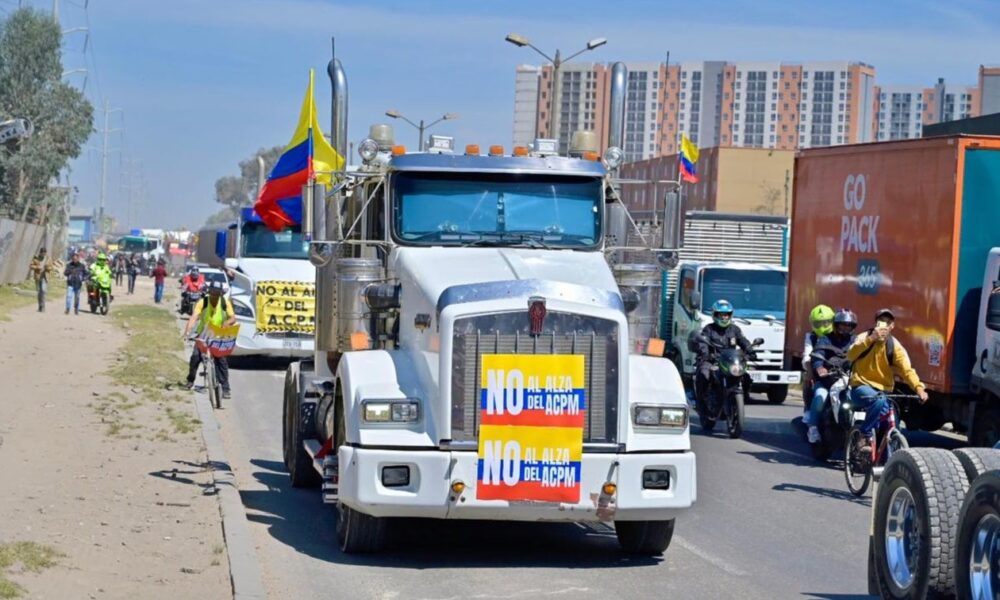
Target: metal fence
{"points": [[18, 244]]}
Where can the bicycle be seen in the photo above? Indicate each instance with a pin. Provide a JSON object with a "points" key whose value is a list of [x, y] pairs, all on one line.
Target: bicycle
{"points": [[212, 385], [859, 468]]}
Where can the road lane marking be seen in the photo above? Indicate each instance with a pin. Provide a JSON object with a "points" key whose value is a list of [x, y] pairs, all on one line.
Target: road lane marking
{"points": [[709, 558]]}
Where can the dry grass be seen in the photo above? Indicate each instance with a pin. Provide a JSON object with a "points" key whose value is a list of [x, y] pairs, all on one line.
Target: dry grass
{"points": [[149, 360], [20, 295], [26, 556]]}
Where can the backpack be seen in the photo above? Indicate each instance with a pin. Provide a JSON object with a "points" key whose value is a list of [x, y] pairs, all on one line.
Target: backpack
{"points": [[890, 350]]}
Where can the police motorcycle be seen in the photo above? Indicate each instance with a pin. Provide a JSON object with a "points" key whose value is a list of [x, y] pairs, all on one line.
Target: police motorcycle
{"points": [[729, 385], [838, 415]]}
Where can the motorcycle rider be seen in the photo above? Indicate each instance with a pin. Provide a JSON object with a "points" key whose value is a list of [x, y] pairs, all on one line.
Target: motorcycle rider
{"points": [[833, 347], [100, 273], [217, 310], [821, 319], [720, 333], [876, 359], [191, 283]]}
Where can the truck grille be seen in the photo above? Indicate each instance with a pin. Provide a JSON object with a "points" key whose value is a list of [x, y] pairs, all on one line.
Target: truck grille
{"points": [[564, 333]]}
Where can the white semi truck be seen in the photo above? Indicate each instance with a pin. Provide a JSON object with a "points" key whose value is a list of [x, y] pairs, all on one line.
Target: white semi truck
{"points": [[473, 355], [272, 285]]}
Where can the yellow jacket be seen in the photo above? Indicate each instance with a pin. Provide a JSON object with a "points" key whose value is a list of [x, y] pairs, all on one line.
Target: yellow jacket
{"points": [[874, 369]]}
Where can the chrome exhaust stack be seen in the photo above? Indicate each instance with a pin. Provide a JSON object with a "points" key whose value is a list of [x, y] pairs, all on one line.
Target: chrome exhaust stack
{"points": [[616, 124]]}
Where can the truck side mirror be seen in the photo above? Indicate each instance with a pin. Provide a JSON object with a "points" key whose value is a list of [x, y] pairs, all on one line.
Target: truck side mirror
{"points": [[758, 342], [695, 300]]}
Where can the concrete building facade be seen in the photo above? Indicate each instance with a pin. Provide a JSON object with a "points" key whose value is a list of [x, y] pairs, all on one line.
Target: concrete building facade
{"points": [[989, 90]]}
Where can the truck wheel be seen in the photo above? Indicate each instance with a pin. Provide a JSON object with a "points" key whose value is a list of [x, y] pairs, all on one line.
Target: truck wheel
{"points": [[776, 394], [986, 429], [979, 540], [916, 523], [977, 461], [650, 538], [297, 460], [359, 533]]}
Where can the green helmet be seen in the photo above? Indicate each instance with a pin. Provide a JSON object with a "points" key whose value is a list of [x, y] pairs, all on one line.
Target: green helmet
{"points": [[821, 318], [102, 257], [722, 313]]}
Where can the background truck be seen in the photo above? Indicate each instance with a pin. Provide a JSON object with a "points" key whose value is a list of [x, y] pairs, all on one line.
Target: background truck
{"points": [[910, 226], [475, 352], [273, 284], [742, 256]]}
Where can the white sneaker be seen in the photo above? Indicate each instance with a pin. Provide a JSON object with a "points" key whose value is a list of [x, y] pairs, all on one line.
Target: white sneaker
{"points": [[813, 434], [806, 420]]}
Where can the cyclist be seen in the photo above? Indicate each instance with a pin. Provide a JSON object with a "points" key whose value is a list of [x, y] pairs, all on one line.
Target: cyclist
{"points": [[832, 347], [876, 360], [216, 310], [720, 333], [821, 319]]}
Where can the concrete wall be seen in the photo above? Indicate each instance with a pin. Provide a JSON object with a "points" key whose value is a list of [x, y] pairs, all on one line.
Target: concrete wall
{"points": [[750, 180], [18, 244]]}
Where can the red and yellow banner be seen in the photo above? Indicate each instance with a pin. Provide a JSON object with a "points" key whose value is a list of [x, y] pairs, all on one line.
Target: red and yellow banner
{"points": [[532, 413]]}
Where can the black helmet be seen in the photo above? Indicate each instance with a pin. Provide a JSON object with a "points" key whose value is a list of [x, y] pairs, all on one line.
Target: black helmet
{"points": [[846, 316]]}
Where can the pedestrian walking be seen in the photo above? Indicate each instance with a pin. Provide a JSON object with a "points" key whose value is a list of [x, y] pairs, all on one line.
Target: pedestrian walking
{"points": [[133, 272], [159, 276], [76, 273], [41, 266], [120, 268]]}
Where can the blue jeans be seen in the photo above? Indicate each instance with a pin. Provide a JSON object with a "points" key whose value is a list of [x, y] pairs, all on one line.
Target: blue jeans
{"points": [[874, 402], [820, 394], [158, 293], [72, 297]]}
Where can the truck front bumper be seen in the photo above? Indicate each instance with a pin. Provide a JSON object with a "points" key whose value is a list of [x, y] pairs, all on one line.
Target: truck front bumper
{"points": [[251, 343], [766, 377], [432, 473]]}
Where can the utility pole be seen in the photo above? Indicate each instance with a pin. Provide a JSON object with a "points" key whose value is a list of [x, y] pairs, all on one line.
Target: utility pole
{"points": [[104, 163], [787, 181]]}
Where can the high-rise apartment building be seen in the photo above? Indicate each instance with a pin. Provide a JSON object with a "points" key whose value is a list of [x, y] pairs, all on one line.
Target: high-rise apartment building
{"points": [[742, 104]]}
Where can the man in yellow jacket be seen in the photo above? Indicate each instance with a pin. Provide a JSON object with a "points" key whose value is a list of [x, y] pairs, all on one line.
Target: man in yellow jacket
{"points": [[876, 360]]}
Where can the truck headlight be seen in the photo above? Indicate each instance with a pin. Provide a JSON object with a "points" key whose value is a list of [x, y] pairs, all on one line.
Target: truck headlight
{"points": [[673, 417], [242, 310], [391, 411]]}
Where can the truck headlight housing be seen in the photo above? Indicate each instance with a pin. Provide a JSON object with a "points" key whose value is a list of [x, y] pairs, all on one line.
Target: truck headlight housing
{"points": [[670, 417], [406, 410], [242, 310]]}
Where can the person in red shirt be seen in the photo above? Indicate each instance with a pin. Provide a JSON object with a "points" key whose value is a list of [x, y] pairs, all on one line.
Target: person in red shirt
{"points": [[193, 281], [159, 275]]}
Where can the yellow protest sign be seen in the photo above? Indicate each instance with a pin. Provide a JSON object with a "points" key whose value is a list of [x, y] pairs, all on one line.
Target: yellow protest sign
{"points": [[286, 306]]}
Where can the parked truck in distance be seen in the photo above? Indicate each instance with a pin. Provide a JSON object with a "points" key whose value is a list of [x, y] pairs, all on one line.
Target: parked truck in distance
{"points": [[475, 353], [910, 226], [272, 284], [739, 258]]}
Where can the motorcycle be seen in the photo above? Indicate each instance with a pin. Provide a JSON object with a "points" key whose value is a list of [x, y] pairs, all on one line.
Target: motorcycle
{"points": [[729, 384], [99, 298], [838, 416], [189, 300]]}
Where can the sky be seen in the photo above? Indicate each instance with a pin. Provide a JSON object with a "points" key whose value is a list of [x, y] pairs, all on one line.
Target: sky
{"points": [[202, 84]]}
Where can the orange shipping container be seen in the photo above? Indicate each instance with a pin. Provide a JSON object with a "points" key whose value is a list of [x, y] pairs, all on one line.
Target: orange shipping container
{"points": [[901, 225]]}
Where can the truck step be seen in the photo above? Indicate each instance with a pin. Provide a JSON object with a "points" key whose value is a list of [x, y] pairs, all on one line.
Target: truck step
{"points": [[331, 491], [331, 479]]}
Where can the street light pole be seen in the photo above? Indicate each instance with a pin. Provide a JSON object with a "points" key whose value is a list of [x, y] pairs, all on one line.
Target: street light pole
{"points": [[421, 126], [555, 98]]}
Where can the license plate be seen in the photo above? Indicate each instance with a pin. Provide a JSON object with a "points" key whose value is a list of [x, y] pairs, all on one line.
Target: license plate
{"points": [[756, 376], [291, 343], [859, 415]]}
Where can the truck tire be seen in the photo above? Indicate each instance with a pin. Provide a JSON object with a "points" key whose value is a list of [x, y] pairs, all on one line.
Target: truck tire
{"points": [[916, 523], [776, 394], [359, 533], [986, 429], [297, 460], [977, 461], [978, 537], [650, 538]]}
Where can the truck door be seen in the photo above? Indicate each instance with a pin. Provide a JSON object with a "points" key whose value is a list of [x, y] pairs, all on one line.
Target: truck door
{"points": [[987, 367], [685, 315]]}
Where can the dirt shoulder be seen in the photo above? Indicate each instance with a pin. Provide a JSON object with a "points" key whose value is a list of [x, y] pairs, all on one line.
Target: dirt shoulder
{"points": [[106, 480]]}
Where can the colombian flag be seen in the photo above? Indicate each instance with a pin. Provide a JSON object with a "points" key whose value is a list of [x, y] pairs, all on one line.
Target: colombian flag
{"points": [[688, 158], [307, 157]]}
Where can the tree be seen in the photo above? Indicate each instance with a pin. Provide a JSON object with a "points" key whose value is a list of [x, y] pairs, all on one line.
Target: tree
{"points": [[226, 215], [241, 190], [31, 87]]}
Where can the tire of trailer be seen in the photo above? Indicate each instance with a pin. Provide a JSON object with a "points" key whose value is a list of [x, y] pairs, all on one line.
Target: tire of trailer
{"points": [[297, 460], [978, 532], [923, 489], [648, 538], [977, 461], [986, 429], [777, 394]]}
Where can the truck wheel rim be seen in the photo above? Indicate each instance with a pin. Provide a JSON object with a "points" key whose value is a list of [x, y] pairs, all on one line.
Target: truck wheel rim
{"points": [[985, 549], [902, 542]]}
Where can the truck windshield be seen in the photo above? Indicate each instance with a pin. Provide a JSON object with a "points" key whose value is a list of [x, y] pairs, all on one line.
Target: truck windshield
{"points": [[487, 209], [753, 293], [261, 242]]}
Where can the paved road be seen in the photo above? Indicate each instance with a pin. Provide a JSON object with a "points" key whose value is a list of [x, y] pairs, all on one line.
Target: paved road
{"points": [[769, 523]]}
